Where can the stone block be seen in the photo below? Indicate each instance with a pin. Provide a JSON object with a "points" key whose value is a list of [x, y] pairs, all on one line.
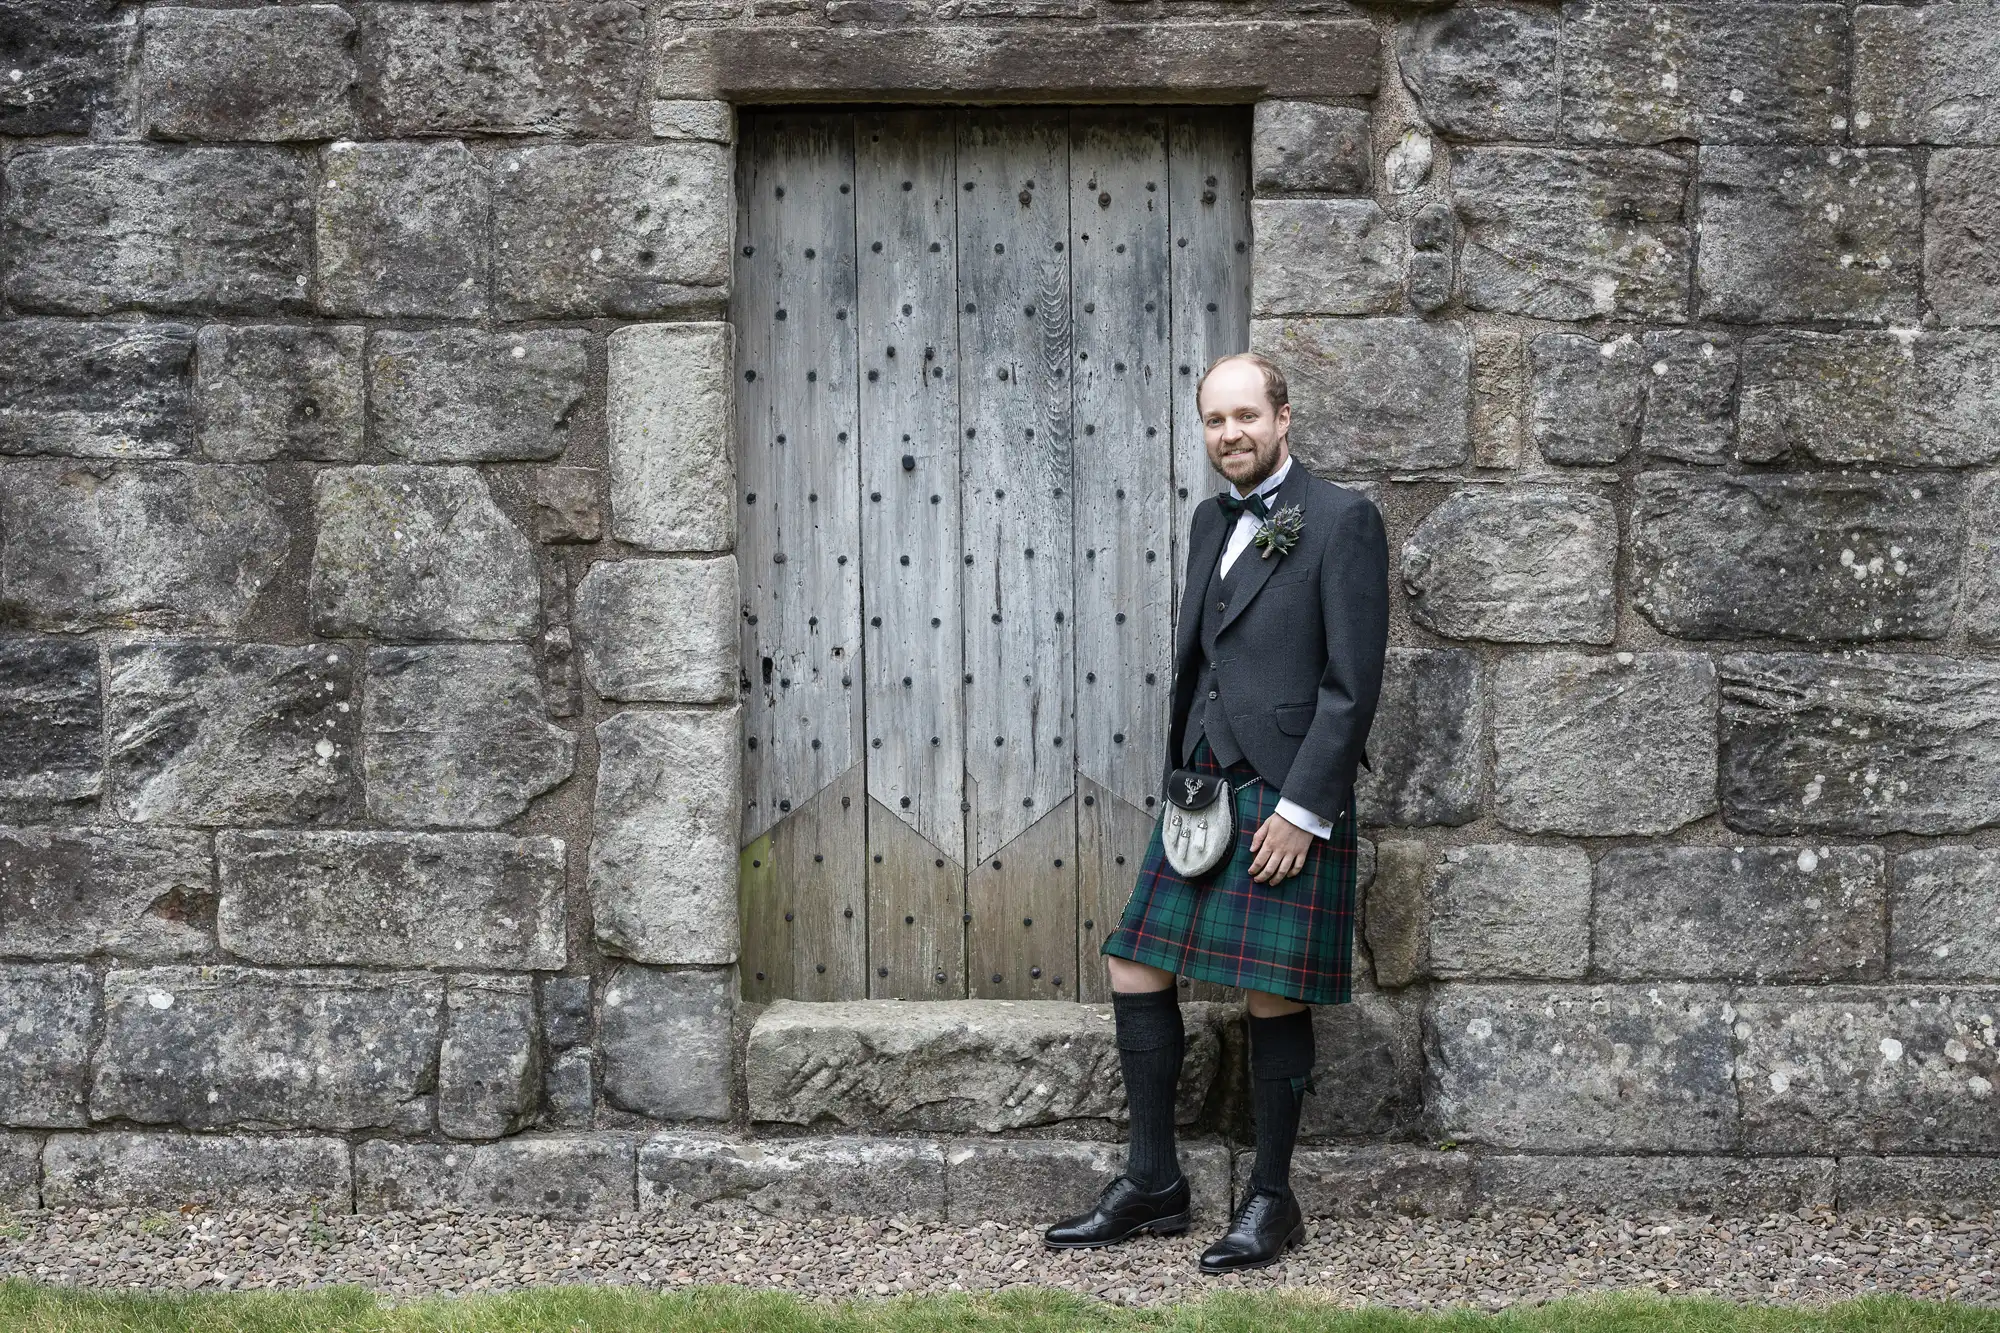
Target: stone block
{"points": [[905, 61], [221, 733], [377, 899], [819, 1177], [1690, 396], [465, 396], [271, 73], [1982, 563], [1426, 748], [1484, 71], [1385, 1180], [1907, 398], [1942, 905], [458, 735], [569, 1090], [402, 231], [1860, 744], [1961, 251], [565, 1011], [1747, 913], [159, 1172], [280, 391], [95, 390], [1369, 394], [1368, 1082], [663, 848], [163, 546], [1729, 1186], [1809, 233], [208, 1047], [408, 552], [665, 1040], [1586, 398], [660, 630], [567, 507], [490, 1062], [709, 121], [1566, 234], [1499, 396], [20, 1172], [1307, 148], [1038, 1180], [612, 229], [1582, 1068], [1601, 746], [1396, 915], [70, 54], [1532, 564], [1818, 557], [46, 1010], [556, 1175], [51, 721], [1407, 164], [139, 893], [1879, 1069], [1927, 74], [1504, 911], [1431, 277], [1754, 73], [1326, 257], [101, 227], [507, 68], [955, 1066], [1918, 1186], [673, 473]]}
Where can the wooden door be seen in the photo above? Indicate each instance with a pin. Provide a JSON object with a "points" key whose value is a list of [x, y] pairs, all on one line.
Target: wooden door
{"points": [[968, 453]]}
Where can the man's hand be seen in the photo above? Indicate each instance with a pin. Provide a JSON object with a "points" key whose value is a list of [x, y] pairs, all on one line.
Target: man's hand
{"points": [[1280, 848]]}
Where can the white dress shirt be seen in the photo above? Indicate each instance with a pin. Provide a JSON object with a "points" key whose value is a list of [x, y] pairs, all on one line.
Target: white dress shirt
{"points": [[1246, 527]]}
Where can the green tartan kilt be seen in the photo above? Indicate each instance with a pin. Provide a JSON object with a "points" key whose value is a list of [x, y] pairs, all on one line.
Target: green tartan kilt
{"points": [[1294, 938]]}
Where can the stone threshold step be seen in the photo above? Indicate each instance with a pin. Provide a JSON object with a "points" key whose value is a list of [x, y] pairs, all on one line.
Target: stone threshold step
{"points": [[956, 1066]]}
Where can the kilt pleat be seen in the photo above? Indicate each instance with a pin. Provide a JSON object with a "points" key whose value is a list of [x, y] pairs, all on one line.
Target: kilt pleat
{"points": [[1294, 939]]}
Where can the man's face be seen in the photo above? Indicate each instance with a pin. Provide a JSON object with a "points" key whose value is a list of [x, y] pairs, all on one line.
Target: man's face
{"points": [[1247, 441]]}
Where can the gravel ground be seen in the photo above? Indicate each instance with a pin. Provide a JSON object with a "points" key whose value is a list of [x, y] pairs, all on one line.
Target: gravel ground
{"points": [[1490, 1261]]}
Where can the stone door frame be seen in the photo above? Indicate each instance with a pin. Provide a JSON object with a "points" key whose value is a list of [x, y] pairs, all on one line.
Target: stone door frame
{"points": [[672, 447]]}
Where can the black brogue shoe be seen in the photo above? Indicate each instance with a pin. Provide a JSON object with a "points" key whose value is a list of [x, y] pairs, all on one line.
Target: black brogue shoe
{"points": [[1264, 1228], [1123, 1210]]}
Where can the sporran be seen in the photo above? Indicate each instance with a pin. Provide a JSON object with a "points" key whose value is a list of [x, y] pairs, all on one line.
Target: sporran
{"points": [[1198, 825]]}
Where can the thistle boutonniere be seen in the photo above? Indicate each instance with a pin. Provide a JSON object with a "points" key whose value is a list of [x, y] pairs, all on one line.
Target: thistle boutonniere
{"points": [[1280, 532]]}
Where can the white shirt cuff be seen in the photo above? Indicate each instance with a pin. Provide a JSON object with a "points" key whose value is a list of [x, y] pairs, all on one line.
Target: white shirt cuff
{"points": [[1304, 818]]}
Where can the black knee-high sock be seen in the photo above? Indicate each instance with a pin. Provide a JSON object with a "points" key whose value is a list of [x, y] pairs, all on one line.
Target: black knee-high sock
{"points": [[1151, 1041], [1281, 1062]]}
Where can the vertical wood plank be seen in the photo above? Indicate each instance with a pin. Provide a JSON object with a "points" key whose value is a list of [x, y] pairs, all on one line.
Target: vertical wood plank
{"points": [[1110, 845], [916, 906], [799, 526], [803, 907], [1122, 467], [907, 257], [1015, 418], [1209, 199]]}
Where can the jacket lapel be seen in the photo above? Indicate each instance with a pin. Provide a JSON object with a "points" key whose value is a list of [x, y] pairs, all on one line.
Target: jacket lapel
{"points": [[1260, 567]]}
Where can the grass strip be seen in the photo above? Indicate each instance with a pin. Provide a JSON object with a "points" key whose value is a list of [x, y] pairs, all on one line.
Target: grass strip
{"points": [[26, 1308]]}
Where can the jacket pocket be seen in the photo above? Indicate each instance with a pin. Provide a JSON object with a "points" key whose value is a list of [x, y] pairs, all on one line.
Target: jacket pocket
{"points": [[1294, 719]]}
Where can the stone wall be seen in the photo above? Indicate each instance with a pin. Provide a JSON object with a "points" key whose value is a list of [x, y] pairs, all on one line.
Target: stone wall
{"points": [[368, 745]]}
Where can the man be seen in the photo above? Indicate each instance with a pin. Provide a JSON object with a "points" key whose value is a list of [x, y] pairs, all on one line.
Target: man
{"points": [[1277, 667]]}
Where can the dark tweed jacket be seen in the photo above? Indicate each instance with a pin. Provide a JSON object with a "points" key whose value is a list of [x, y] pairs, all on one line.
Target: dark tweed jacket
{"points": [[1300, 650]]}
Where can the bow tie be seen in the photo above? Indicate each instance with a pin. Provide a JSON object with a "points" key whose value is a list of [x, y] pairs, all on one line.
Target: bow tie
{"points": [[1252, 502]]}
